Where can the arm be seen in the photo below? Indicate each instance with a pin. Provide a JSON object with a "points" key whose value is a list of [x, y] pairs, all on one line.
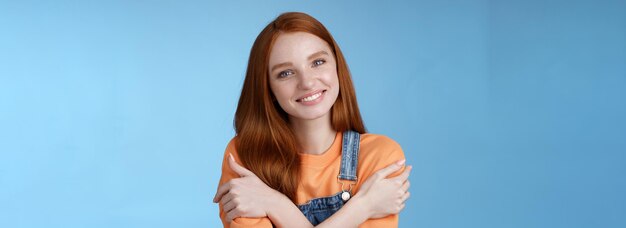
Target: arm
{"points": [[247, 196], [227, 176], [379, 197]]}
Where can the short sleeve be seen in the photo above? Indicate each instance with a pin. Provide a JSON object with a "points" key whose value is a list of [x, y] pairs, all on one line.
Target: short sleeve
{"points": [[227, 175], [377, 152]]}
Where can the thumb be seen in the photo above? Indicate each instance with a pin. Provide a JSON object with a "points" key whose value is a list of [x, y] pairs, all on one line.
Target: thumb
{"points": [[237, 168], [384, 172]]}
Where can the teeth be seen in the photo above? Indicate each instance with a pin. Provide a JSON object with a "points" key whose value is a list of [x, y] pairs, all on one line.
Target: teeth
{"points": [[312, 97]]}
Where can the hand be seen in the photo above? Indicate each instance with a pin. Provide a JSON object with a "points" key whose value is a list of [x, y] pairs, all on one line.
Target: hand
{"points": [[385, 196], [246, 196]]}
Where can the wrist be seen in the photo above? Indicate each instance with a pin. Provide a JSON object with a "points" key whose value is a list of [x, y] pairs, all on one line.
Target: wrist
{"points": [[284, 213], [361, 206], [275, 202]]}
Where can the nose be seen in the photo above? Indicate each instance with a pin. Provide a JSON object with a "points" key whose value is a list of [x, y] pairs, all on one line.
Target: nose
{"points": [[307, 80]]}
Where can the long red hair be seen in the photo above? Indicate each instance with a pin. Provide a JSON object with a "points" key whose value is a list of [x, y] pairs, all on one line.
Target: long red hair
{"points": [[266, 144]]}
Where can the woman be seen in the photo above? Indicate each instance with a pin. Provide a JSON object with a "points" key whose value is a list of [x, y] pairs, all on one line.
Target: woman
{"points": [[300, 137]]}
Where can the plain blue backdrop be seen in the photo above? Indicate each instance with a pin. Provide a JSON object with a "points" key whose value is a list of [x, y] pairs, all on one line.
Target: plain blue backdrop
{"points": [[117, 113]]}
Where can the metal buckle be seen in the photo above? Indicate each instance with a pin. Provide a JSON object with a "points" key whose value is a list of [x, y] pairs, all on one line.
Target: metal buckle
{"points": [[343, 184]]}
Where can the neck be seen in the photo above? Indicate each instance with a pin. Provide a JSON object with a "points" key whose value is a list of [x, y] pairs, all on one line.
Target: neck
{"points": [[314, 136]]}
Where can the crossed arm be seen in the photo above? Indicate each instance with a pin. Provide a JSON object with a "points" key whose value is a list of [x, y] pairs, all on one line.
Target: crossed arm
{"points": [[247, 196]]}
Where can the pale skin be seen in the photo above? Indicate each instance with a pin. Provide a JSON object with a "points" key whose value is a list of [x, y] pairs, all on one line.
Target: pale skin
{"points": [[301, 66]]}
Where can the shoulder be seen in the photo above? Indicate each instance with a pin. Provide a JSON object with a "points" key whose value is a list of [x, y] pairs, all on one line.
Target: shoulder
{"points": [[227, 175], [378, 151], [376, 141], [231, 148], [232, 144], [227, 172]]}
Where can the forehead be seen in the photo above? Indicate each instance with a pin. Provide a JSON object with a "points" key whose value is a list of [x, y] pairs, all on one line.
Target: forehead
{"points": [[296, 46]]}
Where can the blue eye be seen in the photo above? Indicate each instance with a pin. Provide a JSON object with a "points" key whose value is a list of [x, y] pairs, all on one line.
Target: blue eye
{"points": [[318, 62], [285, 73]]}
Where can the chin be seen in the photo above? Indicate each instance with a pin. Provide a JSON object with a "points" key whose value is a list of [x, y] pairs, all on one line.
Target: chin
{"points": [[311, 115]]}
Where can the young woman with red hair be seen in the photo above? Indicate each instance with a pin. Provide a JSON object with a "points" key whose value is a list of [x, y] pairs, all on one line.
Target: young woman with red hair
{"points": [[308, 160]]}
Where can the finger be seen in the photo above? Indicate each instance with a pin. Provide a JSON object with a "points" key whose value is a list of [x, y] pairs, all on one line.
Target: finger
{"points": [[405, 186], [404, 175], [232, 214], [223, 189], [405, 197], [229, 206], [401, 208], [237, 168], [226, 198], [384, 172]]}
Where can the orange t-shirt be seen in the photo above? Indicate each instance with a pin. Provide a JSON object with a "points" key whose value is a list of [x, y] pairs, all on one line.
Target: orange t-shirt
{"points": [[319, 175]]}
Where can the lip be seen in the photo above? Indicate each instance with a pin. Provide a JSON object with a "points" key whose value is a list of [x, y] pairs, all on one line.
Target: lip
{"points": [[310, 94], [313, 102]]}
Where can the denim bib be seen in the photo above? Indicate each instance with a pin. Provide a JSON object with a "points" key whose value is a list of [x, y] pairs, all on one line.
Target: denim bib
{"points": [[319, 209]]}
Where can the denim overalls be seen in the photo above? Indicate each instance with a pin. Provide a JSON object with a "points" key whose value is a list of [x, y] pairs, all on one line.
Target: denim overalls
{"points": [[319, 209]]}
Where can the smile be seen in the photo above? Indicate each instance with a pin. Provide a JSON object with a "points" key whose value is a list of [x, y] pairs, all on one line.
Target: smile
{"points": [[312, 99]]}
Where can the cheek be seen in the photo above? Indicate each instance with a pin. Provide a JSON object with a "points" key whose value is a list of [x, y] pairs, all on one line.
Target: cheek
{"points": [[334, 83], [281, 91], [278, 96], [329, 76], [331, 79]]}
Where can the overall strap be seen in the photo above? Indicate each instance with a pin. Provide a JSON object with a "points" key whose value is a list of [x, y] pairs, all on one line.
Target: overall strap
{"points": [[349, 155]]}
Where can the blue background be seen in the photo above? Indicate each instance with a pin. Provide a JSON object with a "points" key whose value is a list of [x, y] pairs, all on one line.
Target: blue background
{"points": [[117, 113]]}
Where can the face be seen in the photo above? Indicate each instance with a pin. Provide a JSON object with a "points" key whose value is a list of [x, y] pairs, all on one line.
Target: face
{"points": [[303, 75]]}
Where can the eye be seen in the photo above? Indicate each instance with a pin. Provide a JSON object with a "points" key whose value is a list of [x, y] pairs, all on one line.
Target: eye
{"points": [[318, 62], [285, 73]]}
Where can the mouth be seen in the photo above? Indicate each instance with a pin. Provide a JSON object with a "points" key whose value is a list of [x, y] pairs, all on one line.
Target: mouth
{"points": [[311, 97]]}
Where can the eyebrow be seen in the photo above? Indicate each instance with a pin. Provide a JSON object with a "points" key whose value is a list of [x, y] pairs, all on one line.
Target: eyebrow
{"points": [[280, 65], [290, 63], [316, 54]]}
